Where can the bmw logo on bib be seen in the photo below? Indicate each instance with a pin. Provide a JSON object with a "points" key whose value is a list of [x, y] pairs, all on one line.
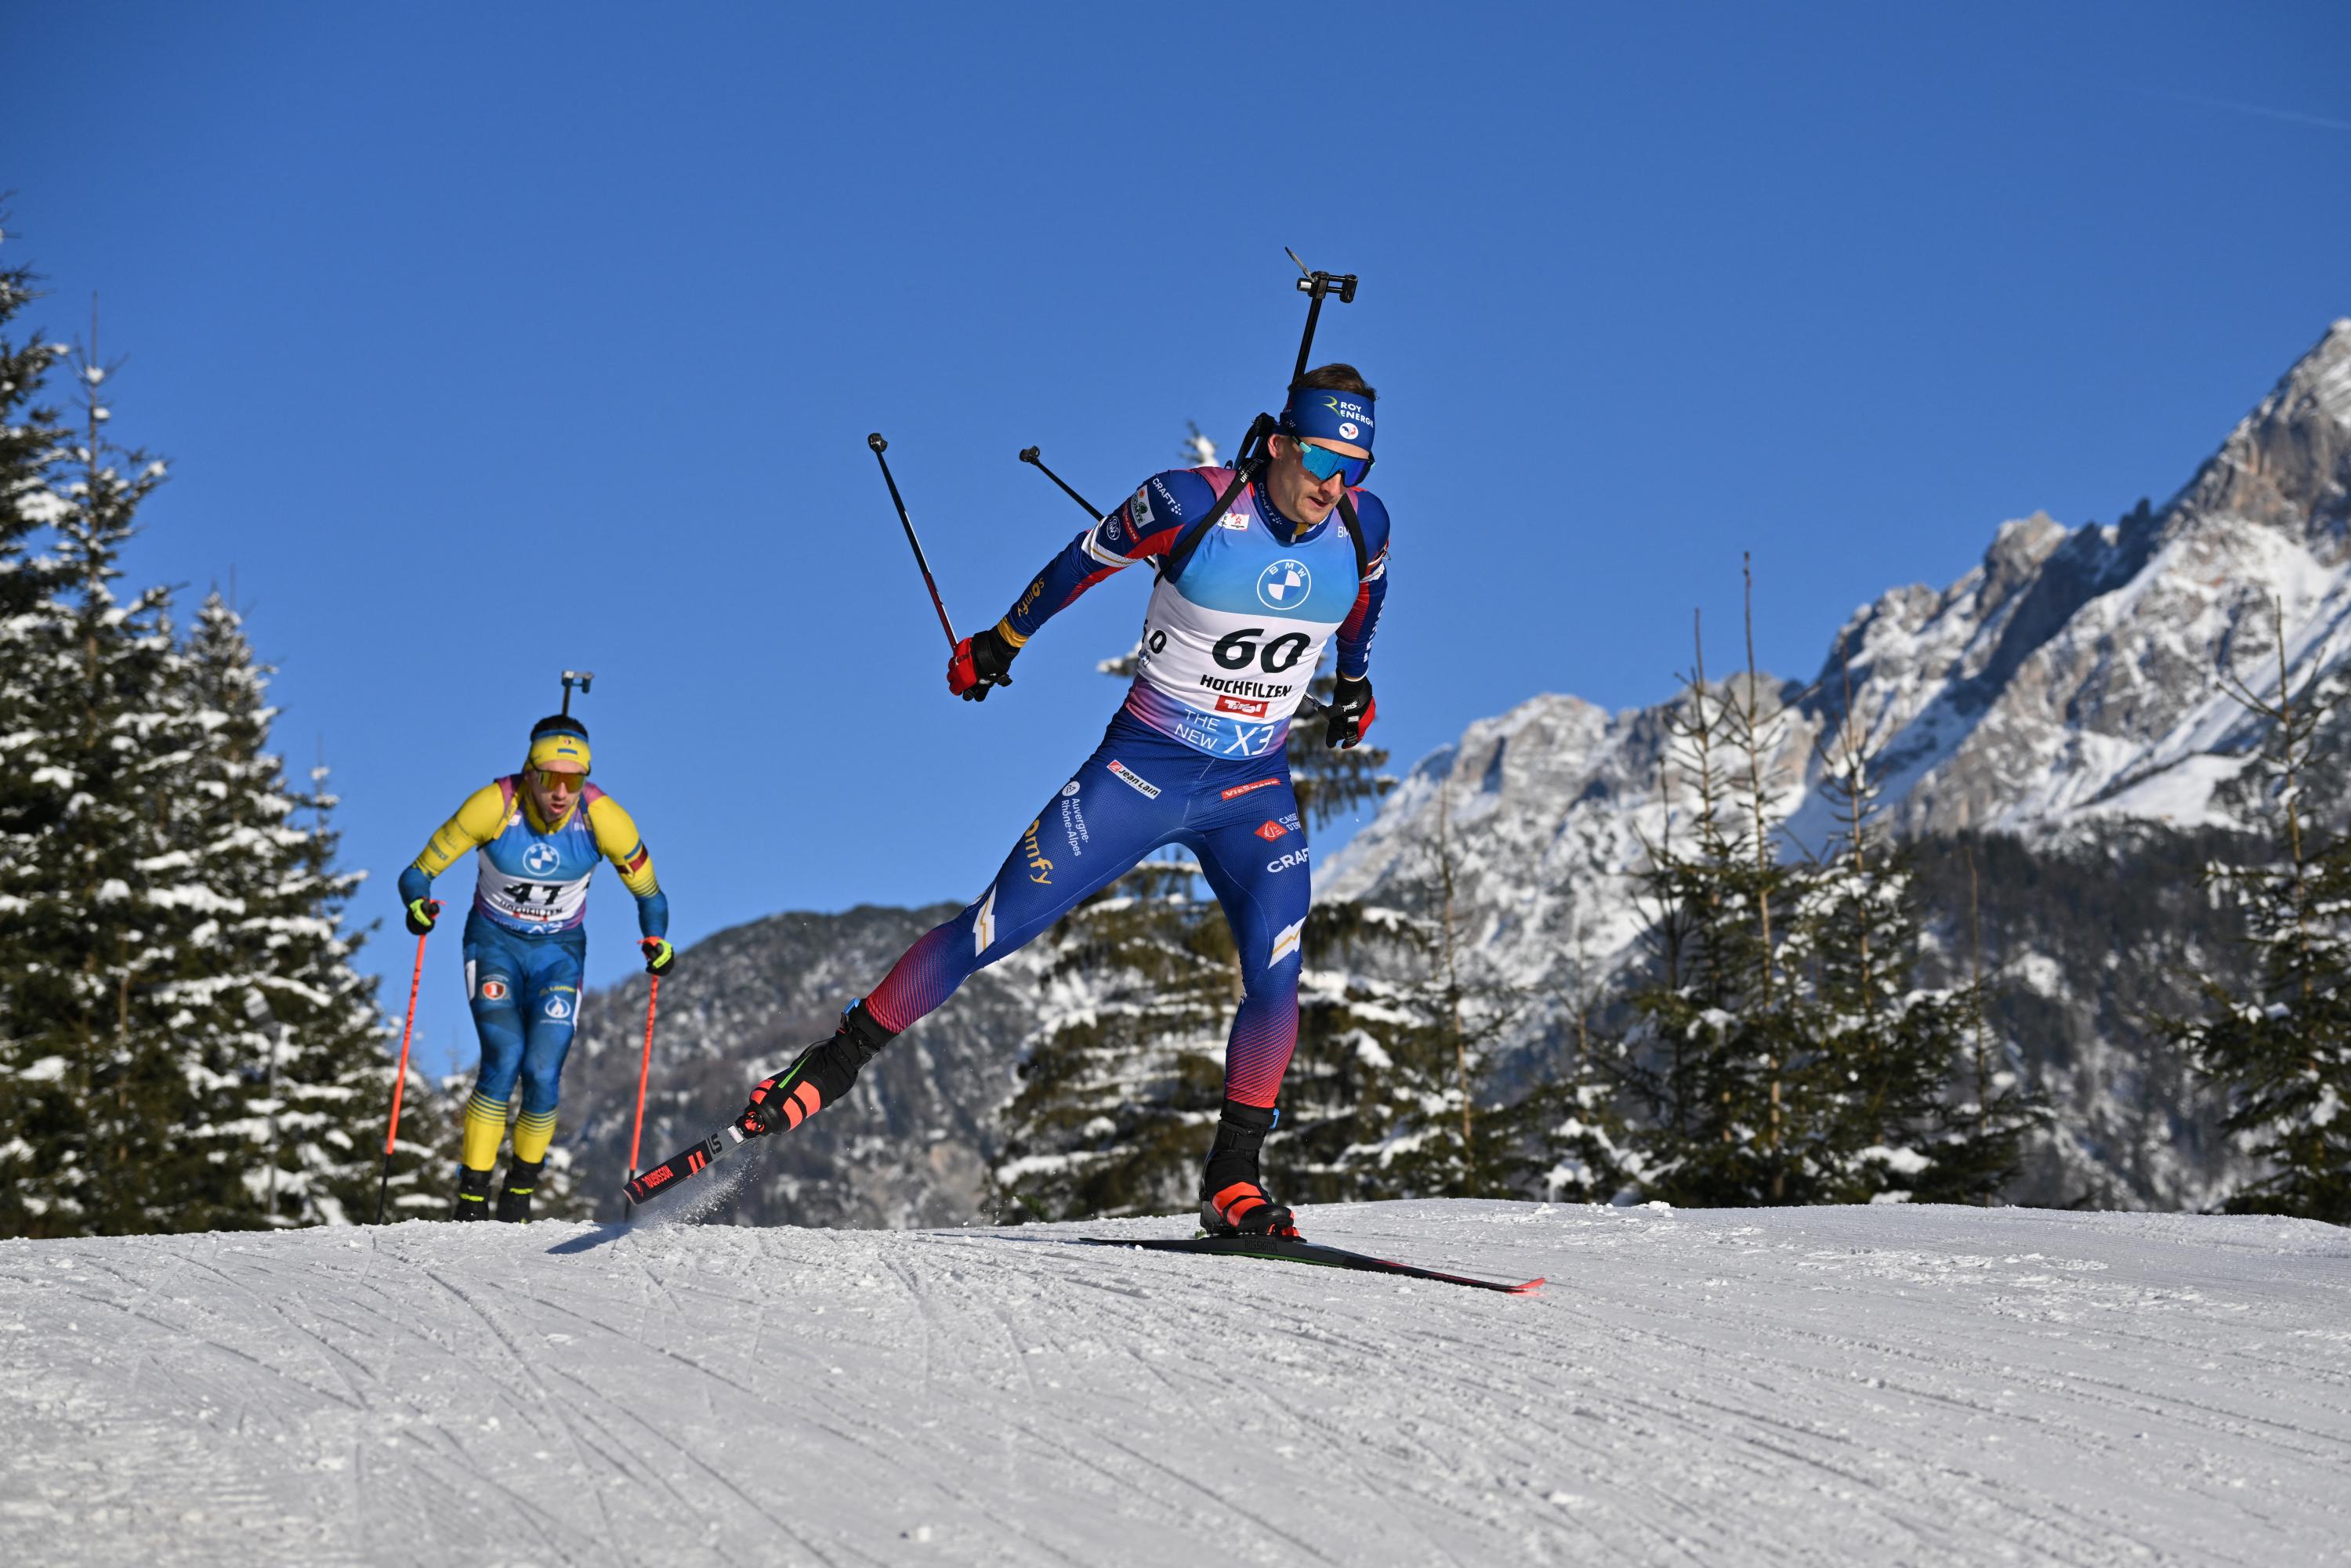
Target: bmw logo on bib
{"points": [[539, 858], [1284, 585]]}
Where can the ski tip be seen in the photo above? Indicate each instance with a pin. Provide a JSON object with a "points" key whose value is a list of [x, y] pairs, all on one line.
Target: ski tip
{"points": [[1528, 1289]]}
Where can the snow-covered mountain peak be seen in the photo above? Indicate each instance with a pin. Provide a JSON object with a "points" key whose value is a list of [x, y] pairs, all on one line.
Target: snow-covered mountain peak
{"points": [[2073, 675], [2074, 665], [2017, 551], [2288, 463]]}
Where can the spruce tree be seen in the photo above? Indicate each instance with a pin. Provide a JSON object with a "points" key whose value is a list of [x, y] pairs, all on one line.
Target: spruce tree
{"points": [[1710, 1057], [1898, 1101], [1783, 1051], [1365, 1084], [1389, 1095], [1567, 1138], [2283, 1050], [104, 914], [184, 1043], [32, 448], [292, 1039]]}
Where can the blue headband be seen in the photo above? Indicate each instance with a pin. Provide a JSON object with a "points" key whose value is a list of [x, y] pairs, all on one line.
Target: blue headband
{"points": [[1317, 413]]}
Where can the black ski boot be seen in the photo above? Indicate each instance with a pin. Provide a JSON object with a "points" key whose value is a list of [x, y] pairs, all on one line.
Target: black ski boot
{"points": [[473, 1194], [821, 1074], [514, 1198], [1233, 1202]]}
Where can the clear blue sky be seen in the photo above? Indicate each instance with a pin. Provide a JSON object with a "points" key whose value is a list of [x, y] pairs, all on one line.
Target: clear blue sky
{"points": [[489, 340]]}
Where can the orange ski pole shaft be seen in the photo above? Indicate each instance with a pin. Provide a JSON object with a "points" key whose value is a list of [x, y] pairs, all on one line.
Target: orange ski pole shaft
{"points": [[400, 1084], [644, 1071]]}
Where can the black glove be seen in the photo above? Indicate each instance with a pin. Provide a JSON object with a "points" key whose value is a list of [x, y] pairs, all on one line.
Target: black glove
{"points": [[422, 914], [1349, 712], [981, 661], [659, 954]]}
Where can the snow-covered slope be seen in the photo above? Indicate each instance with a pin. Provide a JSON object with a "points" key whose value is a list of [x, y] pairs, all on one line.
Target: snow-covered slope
{"points": [[1833, 1387]]}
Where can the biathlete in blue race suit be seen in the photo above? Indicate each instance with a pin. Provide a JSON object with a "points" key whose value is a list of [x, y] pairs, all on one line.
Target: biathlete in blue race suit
{"points": [[1196, 756]]}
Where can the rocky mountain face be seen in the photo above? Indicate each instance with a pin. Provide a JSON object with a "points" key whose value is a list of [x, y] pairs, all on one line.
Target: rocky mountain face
{"points": [[2066, 692], [2074, 671], [2055, 718]]}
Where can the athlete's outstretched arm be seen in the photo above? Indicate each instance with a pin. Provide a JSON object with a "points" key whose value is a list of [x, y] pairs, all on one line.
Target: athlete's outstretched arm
{"points": [[476, 823], [618, 841], [1143, 525]]}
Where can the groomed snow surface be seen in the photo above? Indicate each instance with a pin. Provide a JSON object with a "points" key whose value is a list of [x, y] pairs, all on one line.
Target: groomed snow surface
{"points": [[1872, 1386]]}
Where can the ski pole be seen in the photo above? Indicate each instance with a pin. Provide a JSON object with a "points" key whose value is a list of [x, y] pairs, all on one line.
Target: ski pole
{"points": [[644, 1071], [399, 1084], [880, 446], [1029, 456]]}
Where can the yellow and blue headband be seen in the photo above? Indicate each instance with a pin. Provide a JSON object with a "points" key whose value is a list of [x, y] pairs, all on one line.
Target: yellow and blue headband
{"points": [[559, 752]]}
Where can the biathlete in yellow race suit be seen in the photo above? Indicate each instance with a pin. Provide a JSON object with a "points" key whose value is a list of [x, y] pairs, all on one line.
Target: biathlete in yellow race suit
{"points": [[538, 835]]}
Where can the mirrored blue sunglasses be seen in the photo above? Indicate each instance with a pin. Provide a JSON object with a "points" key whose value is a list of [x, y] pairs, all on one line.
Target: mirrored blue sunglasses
{"points": [[1323, 463]]}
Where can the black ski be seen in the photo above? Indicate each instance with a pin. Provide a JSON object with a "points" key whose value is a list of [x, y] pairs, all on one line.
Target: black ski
{"points": [[691, 1162], [1283, 1249]]}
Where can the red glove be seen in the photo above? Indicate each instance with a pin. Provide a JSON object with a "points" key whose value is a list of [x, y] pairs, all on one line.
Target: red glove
{"points": [[981, 661]]}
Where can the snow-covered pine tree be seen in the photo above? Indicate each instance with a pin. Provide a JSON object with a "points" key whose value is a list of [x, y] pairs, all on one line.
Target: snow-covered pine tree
{"points": [[1894, 1099], [104, 914], [2283, 1050], [293, 1036], [1995, 1104], [1709, 1055], [1387, 1095], [33, 444], [1566, 1138], [176, 1000]]}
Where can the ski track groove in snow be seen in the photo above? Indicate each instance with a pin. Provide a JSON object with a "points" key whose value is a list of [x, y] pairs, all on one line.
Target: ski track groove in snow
{"points": [[1932, 1387]]}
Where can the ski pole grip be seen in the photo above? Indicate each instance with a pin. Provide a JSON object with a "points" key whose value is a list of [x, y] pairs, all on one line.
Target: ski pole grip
{"points": [[1030, 455], [875, 441]]}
